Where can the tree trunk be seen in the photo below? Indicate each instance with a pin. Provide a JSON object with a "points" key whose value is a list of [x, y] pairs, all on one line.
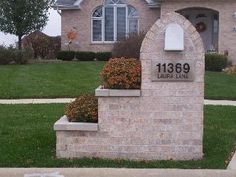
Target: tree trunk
{"points": [[19, 55], [20, 42]]}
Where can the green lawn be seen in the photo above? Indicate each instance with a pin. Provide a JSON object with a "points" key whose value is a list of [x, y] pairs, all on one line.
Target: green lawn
{"points": [[49, 80], [220, 86], [27, 139], [70, 79]]}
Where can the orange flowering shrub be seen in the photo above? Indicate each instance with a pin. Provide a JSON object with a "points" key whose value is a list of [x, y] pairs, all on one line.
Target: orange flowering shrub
{"points": [[122, 73], [83, 109], [71, 35]]}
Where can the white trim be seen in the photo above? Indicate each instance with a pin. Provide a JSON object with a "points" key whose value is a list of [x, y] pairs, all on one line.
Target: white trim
{"points": [[102, 42], [127, 22], [103, 24], [115, 23], [96, 18], [78, 2], [150, 2], [91, 29]]}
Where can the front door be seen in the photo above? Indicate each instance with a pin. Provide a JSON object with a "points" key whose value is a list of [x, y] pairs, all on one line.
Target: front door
{"points": [[206, 23]]}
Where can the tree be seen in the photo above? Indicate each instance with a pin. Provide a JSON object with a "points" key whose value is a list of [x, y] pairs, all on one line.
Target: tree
{"points": [[21, 17]]}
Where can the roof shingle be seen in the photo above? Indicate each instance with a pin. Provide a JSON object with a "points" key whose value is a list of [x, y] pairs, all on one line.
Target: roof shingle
{"points": [[66, 2], [72, 4]]}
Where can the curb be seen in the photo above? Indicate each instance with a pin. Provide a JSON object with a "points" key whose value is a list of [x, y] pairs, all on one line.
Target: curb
{"points": [[106, 172], [69, 100]]}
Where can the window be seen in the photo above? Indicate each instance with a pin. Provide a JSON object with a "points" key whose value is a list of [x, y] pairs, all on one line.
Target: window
{"points": [[97, 24], [114, 21]]}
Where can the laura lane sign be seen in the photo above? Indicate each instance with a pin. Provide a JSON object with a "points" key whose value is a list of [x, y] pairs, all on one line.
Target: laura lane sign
{"points": [[169, 70]]}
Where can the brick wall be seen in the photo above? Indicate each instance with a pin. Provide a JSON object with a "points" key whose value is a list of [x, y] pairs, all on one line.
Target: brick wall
{"points": [[226, 9], [81, 20], [164, 123]]}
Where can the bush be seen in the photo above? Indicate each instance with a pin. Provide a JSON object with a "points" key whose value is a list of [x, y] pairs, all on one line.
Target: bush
{"points": [[85, 56], [43, 46], [22, 57], [129, 47], [83, 109], [230, 70], [28, 53], [13, 55], [6, 57], [122, 73], [215, 62], [103, 56], [66, 55]]}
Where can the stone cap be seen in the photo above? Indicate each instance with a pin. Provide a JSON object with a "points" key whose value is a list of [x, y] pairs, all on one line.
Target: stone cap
{"points": [[64, 125], [100, 92]]}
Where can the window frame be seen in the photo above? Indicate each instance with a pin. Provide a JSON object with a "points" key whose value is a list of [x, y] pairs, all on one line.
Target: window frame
{"points": [[115, 6], [97, 18]]}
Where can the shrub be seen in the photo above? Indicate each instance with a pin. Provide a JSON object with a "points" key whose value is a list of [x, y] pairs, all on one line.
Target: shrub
{"points": [[85, 56], [122, 73], [230, 70], [28, 53], [103, 56], [129, 47], [83, 109], [22, 57], [43, 46], [13, 55], [215, 62], [66, 55], [6, 57]]}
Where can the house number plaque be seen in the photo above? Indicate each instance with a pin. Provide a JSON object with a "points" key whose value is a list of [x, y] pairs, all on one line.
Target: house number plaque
{"points": [[169, 70]]}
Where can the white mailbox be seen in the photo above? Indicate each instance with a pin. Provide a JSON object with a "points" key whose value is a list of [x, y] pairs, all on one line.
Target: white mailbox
{"points": [[174, 38]]}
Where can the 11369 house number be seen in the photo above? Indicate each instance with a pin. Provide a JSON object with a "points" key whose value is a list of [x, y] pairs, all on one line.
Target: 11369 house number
{"points": [[172, 71], [171, 68]]}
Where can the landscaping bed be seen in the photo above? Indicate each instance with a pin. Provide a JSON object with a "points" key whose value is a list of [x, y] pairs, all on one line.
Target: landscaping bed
{"points": [[27, 140]]}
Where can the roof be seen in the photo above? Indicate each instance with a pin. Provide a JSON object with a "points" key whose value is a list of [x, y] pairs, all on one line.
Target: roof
{"points": [[67, 4], [75, 4], [154, 3]]}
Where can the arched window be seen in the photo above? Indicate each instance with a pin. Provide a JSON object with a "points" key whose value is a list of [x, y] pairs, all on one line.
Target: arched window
{"points": [[114, 21], [97, 23]]}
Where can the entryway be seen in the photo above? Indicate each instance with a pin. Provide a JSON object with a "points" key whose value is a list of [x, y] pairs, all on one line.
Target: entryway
{"points": [[206, 22]]}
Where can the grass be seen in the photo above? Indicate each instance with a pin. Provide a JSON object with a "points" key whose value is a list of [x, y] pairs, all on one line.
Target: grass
{"points": [[220, 86], [70, 79], [27, 139]]}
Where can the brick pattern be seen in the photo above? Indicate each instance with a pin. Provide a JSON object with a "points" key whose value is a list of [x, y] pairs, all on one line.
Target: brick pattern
{"points": [[226, 9], [165, 123], [81, 21]]}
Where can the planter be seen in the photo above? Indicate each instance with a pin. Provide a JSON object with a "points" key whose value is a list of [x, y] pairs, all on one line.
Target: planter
{"points": [[64, 125], [100, 92]]}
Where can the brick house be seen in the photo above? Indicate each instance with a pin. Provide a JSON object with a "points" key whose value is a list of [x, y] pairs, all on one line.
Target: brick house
{"points": [[99, 23]]}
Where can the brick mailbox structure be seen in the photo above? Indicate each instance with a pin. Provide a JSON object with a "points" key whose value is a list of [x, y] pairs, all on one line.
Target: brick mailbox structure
{"points": [[163, 120]]}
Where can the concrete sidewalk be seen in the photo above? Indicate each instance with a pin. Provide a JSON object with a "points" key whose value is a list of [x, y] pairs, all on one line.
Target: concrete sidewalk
{"points": [[220, 102], [37, 101], [68, 100], [109, 172]]}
